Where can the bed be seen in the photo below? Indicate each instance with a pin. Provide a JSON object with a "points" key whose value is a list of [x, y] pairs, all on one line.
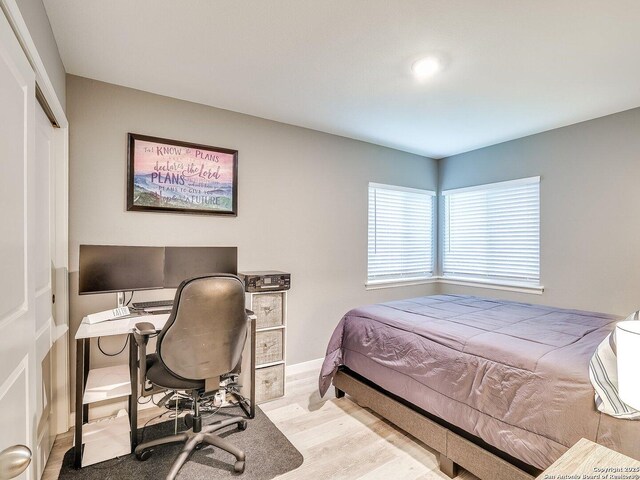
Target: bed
{"points": [[511, 378]]}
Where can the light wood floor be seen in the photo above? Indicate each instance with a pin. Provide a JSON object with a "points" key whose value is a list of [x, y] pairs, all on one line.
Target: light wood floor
{"points": [[338, 439]]}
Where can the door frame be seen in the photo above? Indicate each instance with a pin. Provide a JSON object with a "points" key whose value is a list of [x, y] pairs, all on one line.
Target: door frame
{"points": [[60, 255]]}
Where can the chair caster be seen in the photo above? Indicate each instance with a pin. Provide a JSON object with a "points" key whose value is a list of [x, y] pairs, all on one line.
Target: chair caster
{"points": [[242, 425], [239, 466], [199, 446], [188, 420], [144, 455]]}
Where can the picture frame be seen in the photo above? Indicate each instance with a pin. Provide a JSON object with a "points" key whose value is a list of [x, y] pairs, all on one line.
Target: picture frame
{"points": [[166, 175]]}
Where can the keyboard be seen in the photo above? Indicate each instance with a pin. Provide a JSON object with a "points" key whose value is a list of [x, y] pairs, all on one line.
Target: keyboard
{"points": [[153, 304]]}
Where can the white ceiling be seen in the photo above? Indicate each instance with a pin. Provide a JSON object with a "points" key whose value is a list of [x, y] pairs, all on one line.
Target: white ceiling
{"points": [[513, 67]]}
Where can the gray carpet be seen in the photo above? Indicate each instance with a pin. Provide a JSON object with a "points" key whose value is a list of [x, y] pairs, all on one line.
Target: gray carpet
{"points": [[268, 452]]}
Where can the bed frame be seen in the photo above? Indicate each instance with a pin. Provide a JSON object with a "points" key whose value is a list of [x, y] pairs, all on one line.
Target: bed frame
{"points": [[456, 448]]}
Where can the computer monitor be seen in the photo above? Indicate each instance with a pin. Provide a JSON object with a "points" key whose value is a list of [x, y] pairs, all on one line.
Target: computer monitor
{"points": [[111, 268], [181, 263]]}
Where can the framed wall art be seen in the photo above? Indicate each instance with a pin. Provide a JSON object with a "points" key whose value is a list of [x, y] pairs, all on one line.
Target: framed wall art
{"points": [[172, 176]]}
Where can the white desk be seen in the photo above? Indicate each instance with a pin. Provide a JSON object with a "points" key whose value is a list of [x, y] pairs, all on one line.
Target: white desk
{"points": [[118, 327], [109, 438]]}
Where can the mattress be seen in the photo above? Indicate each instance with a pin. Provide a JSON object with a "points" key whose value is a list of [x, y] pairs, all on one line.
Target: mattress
{"points": [[513, 374]]}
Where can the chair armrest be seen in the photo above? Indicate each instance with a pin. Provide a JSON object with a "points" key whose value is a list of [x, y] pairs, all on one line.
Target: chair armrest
{"points": [[145, 328], [141, 333]]}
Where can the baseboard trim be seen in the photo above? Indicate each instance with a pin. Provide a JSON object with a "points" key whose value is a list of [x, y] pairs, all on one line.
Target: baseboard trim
{"points": [[302, 367]]}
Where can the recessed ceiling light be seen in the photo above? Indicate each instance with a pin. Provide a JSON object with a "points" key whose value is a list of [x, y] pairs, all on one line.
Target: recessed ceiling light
{"points": [[426, 67]]}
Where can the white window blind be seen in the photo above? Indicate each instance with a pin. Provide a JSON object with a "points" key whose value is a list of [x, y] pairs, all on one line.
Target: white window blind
{"points": [[493, 232], [400, 233]]}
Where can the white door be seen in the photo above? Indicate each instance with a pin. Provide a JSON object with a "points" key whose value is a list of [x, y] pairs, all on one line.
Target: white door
{"points": [[17, 247]]}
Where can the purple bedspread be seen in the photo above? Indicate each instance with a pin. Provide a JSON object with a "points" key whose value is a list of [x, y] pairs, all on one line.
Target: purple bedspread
{"points": [[515, 375]]}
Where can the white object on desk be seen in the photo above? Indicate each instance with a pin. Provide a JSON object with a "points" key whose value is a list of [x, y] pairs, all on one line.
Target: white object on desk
{"points": [[108, 315]]}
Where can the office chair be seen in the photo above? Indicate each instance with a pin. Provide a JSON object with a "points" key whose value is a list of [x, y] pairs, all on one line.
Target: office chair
{"points": [[202, 339]]}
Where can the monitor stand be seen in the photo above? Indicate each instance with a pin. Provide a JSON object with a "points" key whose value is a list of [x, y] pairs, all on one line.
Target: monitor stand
{"points": [[120, 299]]}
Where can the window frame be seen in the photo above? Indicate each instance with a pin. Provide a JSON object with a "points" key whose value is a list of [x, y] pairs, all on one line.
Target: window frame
{"points": [[373, 284], [523, 286]]}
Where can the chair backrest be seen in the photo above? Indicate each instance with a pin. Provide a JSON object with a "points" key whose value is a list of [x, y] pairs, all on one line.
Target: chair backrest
{"points": [[206, 331]]}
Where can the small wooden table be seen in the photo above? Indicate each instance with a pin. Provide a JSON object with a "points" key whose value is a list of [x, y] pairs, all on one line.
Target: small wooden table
{"points": [[589, 460]]}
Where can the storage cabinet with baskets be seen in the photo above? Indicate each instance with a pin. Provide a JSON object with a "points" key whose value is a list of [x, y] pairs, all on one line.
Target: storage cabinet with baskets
{"points": [[271, 325]]}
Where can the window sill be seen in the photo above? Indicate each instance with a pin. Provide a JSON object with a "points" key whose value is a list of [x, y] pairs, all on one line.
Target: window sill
{"points": [[378, 284], [465, 282], [493, 284]]}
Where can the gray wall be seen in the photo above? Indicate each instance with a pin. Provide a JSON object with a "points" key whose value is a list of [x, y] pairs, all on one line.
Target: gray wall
{"points": [[302, 202], [589, 206], [35, 16]]}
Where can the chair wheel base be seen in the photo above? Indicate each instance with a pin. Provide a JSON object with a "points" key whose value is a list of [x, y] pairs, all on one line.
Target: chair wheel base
{"points": [[144, 455], [239, 467], [242, 425]]}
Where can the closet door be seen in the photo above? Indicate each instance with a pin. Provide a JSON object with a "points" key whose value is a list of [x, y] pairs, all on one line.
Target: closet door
{"points": [[44, 273], [18, 362]]}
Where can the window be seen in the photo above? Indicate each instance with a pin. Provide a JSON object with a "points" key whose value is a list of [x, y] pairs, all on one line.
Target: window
{"points": [[400, 233], [493, 232]]}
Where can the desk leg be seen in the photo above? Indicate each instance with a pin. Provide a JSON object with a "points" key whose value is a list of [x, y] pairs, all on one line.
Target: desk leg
{"points": [[86, 363], [80, 408], [252, 407], [133, 398], [251, 411]]}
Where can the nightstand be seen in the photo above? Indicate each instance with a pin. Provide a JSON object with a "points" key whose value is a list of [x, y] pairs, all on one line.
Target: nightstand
{"points": [[590, 460]]}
